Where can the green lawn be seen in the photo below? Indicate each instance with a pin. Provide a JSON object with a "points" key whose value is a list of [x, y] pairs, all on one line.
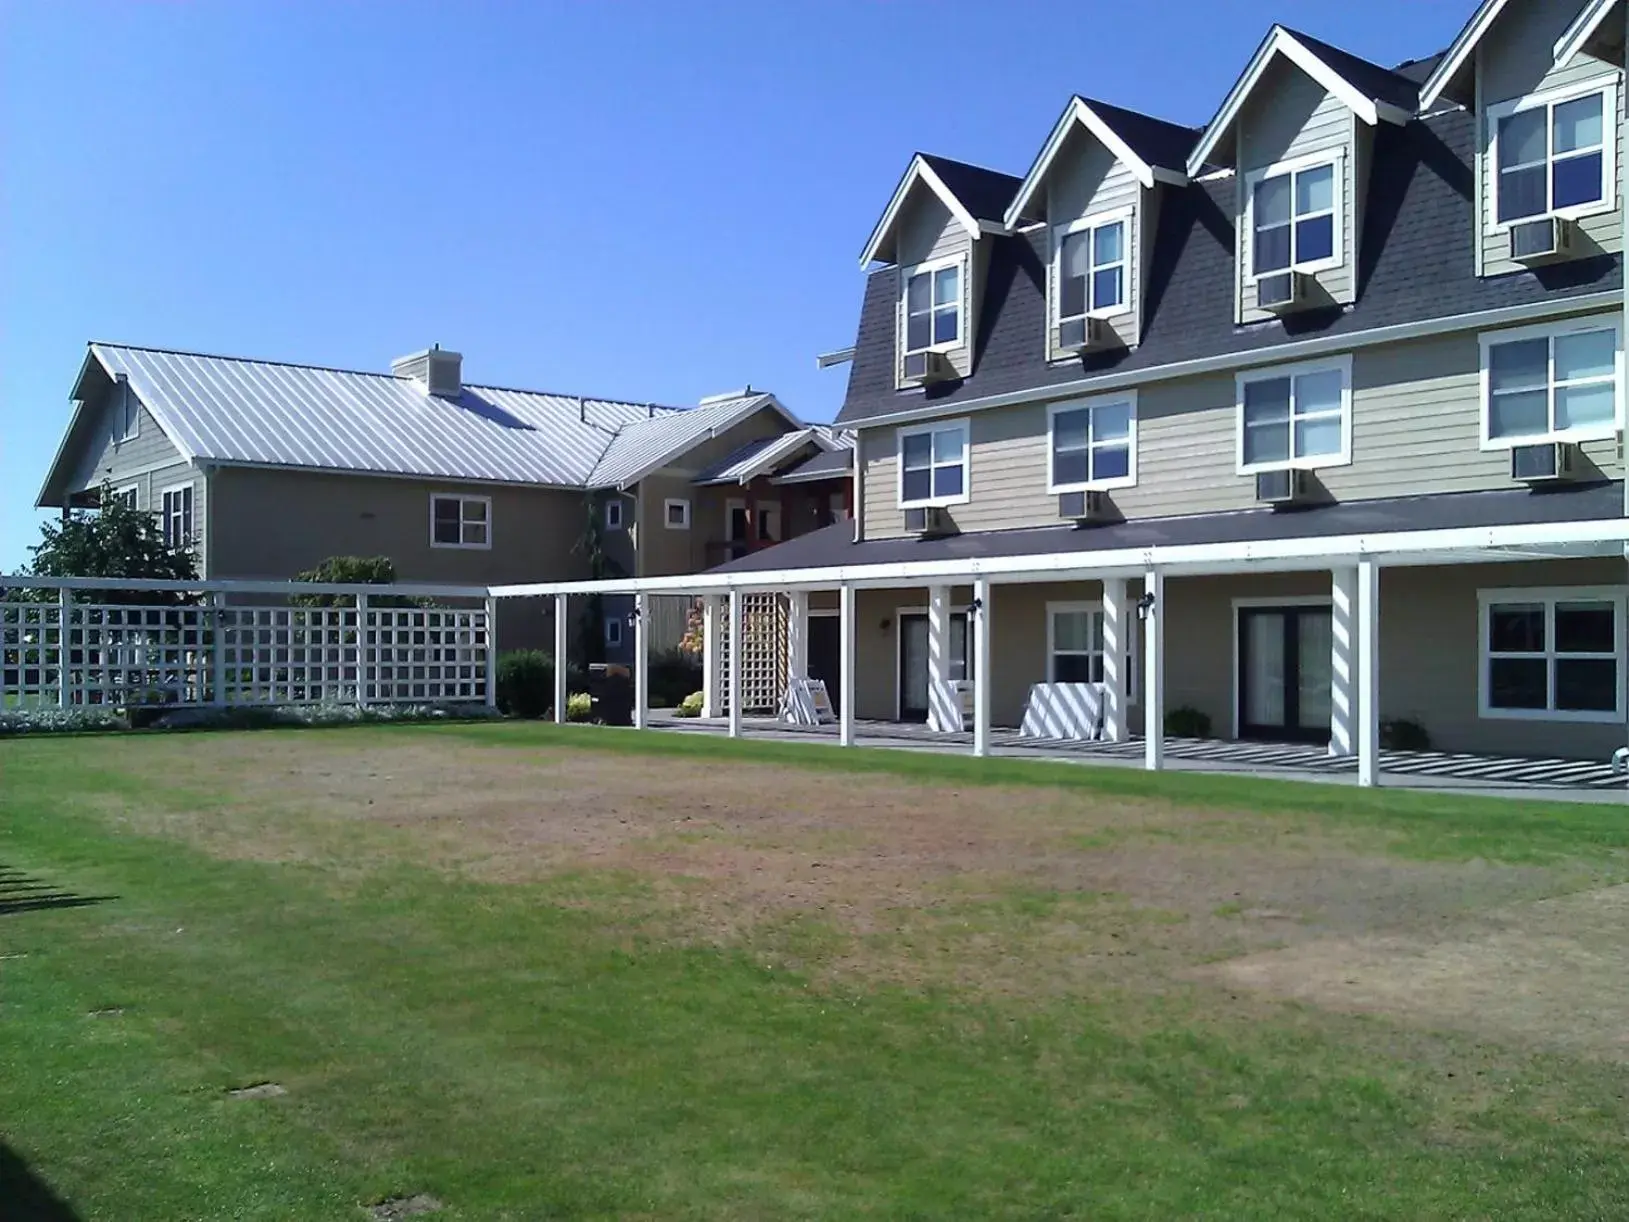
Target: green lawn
{"points": [[539, 973]]}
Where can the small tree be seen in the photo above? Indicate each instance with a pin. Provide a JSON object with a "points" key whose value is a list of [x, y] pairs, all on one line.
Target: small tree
{"points": [[601, 565], [351, 570], [116, 540]]}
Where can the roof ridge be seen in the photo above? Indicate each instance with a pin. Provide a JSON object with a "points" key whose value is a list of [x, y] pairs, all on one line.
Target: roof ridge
{"points": [[1099, 103], [971, 165], [1303, 36]]}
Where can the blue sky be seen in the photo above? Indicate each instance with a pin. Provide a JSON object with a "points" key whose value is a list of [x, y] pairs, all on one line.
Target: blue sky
{"points": [[653, 202]]}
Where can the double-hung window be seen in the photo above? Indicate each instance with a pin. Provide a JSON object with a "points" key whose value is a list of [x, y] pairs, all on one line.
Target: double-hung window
{"points": [[1552, 655], [1550, 384], [460, 521], [1090, 275], [1077, 649], [1553, 153], [125, 421], [1295, 417], [933, 464], [1295, 218], [177, 516], [933, 306], [1092, 445]]}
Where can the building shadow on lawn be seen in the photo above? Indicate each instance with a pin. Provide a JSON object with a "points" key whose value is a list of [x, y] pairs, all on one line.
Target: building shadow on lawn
{"points": [[24, 1197], [20, 893]]}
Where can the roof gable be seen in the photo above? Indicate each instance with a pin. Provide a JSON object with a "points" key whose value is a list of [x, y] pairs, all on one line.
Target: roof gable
{"points": [[976, 198], [1591, 34], [1457, 58], [640, 449], [1369, 91]]}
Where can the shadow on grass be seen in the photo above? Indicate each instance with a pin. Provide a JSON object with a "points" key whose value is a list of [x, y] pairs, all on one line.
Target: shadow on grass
{"points": [[24, 1197], [20, 893]]}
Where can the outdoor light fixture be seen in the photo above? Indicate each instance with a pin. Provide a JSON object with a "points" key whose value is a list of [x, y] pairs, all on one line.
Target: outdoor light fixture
{"points": [[633, 618], [974, 607], [1145, 605]]}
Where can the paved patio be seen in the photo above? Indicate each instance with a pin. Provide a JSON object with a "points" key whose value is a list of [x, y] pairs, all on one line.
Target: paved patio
{"points": [[1564, 780]]}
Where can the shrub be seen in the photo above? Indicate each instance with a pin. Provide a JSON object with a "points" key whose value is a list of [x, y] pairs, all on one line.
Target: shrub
{"points": [[1403, 734], [579, 706], [525, 683], [674, 674], [690, 706], [1187, 722], [352, 570]]}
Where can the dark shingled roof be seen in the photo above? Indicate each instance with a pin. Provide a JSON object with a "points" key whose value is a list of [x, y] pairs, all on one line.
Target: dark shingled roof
{"points": [[1416, 263], [1381, 84], [835, 544], [1419, 70], [984, 193], [1156, 141]]}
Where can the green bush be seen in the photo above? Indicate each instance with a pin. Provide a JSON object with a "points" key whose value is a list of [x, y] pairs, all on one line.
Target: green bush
{"points": [[674, 674], [353, 570], [579, 706], [1187, 722], [690, 706], [525, 683], [1403, 734]]}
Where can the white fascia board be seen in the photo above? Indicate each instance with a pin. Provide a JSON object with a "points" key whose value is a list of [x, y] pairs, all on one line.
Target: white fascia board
{"points": [[154, 410], [918, 171], [777, 450], [1079, 111], [679, 449], [1297, 350], [1390, 547], [1584, 27], [1459, 52]]}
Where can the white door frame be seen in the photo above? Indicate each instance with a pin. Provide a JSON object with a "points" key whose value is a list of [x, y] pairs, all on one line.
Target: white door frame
{"points": [[900, 613]]}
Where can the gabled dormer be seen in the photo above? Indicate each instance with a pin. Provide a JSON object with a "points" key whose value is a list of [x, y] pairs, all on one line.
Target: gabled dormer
{"points": [[1550, 117], [931, 233], [1096, 186], [1297, 131]]}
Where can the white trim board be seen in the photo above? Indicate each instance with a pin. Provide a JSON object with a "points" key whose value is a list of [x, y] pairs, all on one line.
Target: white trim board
{"points": [[1459, 52], [1549, 596], [1079, 111], [1584, 26], [919, 171]]}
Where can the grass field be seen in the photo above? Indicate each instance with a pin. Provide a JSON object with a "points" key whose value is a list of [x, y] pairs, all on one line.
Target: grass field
{"points": [[520, 971]]}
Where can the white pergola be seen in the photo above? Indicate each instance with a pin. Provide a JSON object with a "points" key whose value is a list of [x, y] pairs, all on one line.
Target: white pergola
{"points": [[1354, 562]]}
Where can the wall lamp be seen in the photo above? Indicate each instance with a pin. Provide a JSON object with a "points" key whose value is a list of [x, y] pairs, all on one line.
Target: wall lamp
{"points": [[1145, 606]]}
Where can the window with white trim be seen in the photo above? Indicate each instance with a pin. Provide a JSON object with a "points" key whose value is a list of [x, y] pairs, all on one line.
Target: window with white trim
{"points": [[613, 513], [1550, 384], [1076, 648], [1295, 417], [1092, 445], [1090, 275], [125, 496], [933, 465], [125, 422], [933, 306], [1552, 655], [1554, 153], [676, 513], [1295, 217], [460, 521], [613, 631], [176, 516]]}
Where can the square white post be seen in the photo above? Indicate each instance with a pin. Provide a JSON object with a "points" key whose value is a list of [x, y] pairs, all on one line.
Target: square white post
{"points": [[1368, 664], [364, 664], [943, 715], [845, 665], [1343, 662], [65, 616], [562, 625], [1154, 671], [641, 671], [1116, 657], [491, 653], [712, 625], [982, 622], [733, 688], [797, 636]]}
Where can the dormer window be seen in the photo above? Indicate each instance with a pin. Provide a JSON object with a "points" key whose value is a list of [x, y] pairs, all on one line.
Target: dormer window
{"points": [[1552, 155], [1294, 219], [933, 307], [1091, 275]]}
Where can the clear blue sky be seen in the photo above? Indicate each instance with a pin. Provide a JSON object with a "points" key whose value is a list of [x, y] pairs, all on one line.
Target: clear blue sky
{"points": [[619, 199]]}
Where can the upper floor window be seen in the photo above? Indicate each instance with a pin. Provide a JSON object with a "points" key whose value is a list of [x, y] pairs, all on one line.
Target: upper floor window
{"points": [[1294, 217], [126, 419], [1295, 417], [1553, 154], [1092, 444], [613, 513], [177, 516], [676, 513], [1091, 275], [1549, 384], [1552, 655], [460, 521], [933, 306], [933, 464], [125, 496]]}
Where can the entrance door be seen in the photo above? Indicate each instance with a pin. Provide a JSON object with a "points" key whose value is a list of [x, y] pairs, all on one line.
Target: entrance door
{"points": [[825, 656], [1284, 673], [913, 661]]}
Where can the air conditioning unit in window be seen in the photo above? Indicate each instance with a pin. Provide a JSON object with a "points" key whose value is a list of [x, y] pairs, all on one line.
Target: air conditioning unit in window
{"points": [[1084, 335], [927, 521], [1543, 464], [1282, 487], [926, 368], [1083, 508], [1537, 241], [1282, 291]]}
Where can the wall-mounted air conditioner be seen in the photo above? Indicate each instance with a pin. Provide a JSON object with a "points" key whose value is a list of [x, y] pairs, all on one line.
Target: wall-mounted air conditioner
{"points": [[1283, 291], [1083, 507], [926, 368], [1543, 464], [926, 521], [1541, 240], [1084, 335], [1282, 487]]}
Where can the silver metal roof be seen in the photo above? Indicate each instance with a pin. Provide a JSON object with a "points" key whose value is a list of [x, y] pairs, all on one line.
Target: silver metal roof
{"points": [[638, 451], [756, 457]]}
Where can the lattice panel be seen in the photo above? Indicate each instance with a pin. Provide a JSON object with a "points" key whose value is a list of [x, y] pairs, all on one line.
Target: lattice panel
{"points": [[30, 654], [418, 655], [763, 652], [135, 655], [288, 655]]}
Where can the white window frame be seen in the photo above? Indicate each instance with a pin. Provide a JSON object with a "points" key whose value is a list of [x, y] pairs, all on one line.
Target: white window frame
{"points": [[462, 498], [1093, 608], [1337, 258], [189, 515], [1594, 432], [937, 426], [614, 516], [933, 265], [1100, 220], [1271, 373], [1129, 480], [613, 632], [683, 506], [129, 493], [127, 407], [1607, 86], [1548, 597]]}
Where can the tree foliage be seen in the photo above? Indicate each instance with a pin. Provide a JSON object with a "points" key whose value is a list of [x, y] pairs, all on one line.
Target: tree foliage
{"points": [[352, 570], [115, 540]]}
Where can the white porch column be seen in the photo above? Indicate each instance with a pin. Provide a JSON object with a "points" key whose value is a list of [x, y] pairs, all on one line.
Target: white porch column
{"points": [[1154, 672], [562, 625], [1343, 662], [845, 665], [982, 621], [641, 664], [797, 636], [712, 703], [1368, 667], [733, 688], [1116, 658], [942, 717]]}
